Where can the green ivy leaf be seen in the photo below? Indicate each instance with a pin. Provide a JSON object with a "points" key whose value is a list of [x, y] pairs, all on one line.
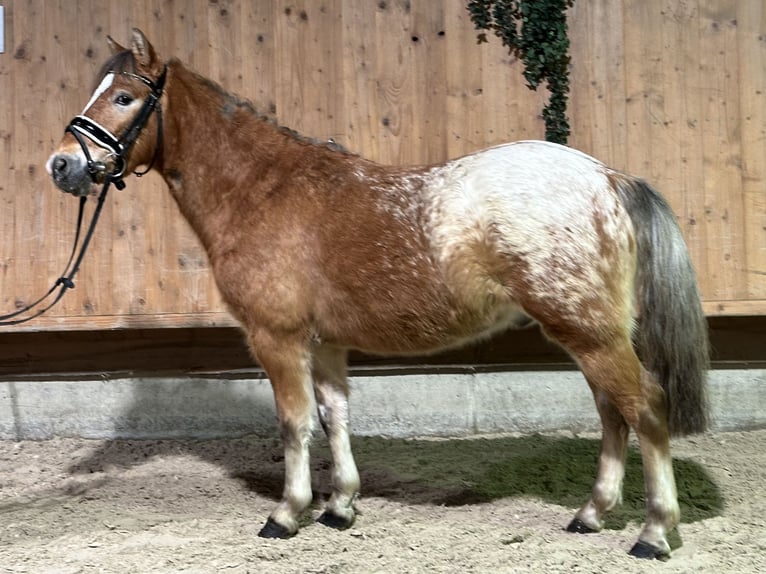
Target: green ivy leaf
{"points": [[536, 32]]}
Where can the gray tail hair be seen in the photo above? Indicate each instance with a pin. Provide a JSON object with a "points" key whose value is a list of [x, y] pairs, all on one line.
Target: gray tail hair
{"points": [[672, 335]]}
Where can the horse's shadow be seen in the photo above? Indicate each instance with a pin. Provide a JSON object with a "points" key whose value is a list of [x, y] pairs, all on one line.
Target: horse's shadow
{"points": [[558, 470]]}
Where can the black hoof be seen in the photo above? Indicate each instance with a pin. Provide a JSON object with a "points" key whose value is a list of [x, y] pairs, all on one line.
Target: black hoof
{"points": [[334, 521], [647, 551], [274, 530], [579, 527]]}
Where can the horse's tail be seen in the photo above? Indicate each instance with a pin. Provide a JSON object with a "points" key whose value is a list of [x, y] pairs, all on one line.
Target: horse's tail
{"points": [[672, 334]]}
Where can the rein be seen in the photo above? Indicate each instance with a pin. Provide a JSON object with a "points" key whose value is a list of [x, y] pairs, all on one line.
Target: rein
{"points": [[119, 148]]}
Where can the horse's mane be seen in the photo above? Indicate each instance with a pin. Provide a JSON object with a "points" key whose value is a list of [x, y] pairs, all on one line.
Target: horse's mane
{"points": [[232, 103]]}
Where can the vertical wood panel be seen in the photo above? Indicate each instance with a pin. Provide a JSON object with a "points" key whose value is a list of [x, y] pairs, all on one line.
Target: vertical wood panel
{"points": [[8, 248], [598, 78], [393, 82], [465, 96], [59, 101], [721, 151], [427, 38], [361, 76], [29, 92], [308, 68], [691, 182], [751, 51], [258, 54]]}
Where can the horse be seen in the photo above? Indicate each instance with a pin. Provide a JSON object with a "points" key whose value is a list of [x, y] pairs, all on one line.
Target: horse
{"points": [[317, 251]]}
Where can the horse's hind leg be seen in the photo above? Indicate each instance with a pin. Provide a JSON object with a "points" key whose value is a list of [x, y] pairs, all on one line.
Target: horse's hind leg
{"points": [[607, 489], [287, 363], [623, 389], [331, 389]]}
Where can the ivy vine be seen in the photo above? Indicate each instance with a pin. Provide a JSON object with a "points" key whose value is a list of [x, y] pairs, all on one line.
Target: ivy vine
{"points": [[534, 31]]}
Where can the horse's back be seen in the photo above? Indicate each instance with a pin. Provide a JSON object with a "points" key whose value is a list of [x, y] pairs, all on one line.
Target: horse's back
{"points": [[538, 183]]}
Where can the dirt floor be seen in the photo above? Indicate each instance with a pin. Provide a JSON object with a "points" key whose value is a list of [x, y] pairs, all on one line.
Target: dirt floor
{"points": [[481, 505]]}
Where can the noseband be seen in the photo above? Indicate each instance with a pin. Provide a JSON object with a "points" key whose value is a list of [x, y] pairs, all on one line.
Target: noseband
{"points": [[119, 147], [82, 126]]}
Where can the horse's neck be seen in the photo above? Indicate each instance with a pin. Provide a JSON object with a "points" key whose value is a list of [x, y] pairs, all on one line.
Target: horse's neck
{"points": [[203, 162]]}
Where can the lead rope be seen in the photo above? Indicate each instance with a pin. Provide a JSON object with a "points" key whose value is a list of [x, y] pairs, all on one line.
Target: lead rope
{"points": [[66, 281]]}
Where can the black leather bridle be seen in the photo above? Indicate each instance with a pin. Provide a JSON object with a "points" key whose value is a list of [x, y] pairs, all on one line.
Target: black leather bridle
{"points": [[119, 147], [82, 126]]}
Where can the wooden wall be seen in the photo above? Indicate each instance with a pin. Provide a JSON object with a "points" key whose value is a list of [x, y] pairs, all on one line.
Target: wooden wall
{"points": [[675, 91], [670, 90]]}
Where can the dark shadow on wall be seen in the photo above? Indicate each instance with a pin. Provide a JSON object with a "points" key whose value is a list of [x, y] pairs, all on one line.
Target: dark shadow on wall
{"points": [[557, 470]]}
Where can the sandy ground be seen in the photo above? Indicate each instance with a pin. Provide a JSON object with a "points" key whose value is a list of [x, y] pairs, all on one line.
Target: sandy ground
{"points": [[481, 505]]}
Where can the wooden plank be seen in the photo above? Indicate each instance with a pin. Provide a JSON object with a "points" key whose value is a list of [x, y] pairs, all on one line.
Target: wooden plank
{"points": [[221, 351], [722, 154], [126, 321], [61, 103], [734, 308], [307, 74], [429, 80], [29, 92], [688, 194], [393, 82], [209, 350], [258, 49], [362, 129], [464, 92], [582, 78], [606, 93], [643, 52], [8, 195], [225, 43], [751, 47]]}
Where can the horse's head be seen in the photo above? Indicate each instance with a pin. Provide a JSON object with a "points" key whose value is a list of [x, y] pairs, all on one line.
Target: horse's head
{"points": [[120, 127]]}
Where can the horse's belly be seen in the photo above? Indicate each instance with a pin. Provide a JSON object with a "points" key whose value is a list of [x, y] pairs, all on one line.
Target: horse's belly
{"points": [[408, 331]]}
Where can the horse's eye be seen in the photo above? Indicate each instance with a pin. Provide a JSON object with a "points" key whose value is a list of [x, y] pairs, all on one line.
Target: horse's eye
{"points": [[123, 99]]}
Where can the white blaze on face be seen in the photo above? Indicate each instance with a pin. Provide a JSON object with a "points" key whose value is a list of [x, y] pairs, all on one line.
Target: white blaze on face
{"points": [[102, 87]]}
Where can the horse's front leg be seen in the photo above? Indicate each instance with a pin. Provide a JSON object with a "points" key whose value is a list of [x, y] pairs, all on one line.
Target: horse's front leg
{"points": [[287, 364], [331, 389]]}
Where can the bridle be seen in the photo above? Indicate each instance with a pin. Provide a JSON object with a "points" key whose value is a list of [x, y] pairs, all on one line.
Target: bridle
{"points": [[119, 148], [82, 127]]}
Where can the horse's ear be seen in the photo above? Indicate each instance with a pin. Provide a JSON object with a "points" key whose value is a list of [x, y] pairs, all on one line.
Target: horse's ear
{"points": [[142, 50], [114, 47]]}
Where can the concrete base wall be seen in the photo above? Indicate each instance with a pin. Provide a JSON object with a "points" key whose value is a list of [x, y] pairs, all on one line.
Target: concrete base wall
{"points": [[395, 404]]}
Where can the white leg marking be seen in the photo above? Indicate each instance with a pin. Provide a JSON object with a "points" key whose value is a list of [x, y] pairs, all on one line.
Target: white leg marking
{"points": [[333, 412], [297, 494]]}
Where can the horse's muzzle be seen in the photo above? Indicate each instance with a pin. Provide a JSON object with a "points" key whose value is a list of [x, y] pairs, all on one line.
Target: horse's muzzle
{"points": [[70, 173]]}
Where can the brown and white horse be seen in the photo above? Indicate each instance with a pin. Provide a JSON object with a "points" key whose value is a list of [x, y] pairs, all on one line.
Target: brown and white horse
{"points": [[317, 251]]}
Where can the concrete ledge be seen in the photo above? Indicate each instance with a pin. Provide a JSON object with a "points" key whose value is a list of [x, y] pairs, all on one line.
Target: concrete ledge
{"points": [[396, 404]]}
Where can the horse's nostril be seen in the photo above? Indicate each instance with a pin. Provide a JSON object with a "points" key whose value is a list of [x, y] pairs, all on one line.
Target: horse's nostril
{"points": [[60, 166]]}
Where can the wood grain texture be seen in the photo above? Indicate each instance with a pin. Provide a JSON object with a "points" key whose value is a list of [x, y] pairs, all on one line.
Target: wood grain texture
{"points": [[670, 91]]}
